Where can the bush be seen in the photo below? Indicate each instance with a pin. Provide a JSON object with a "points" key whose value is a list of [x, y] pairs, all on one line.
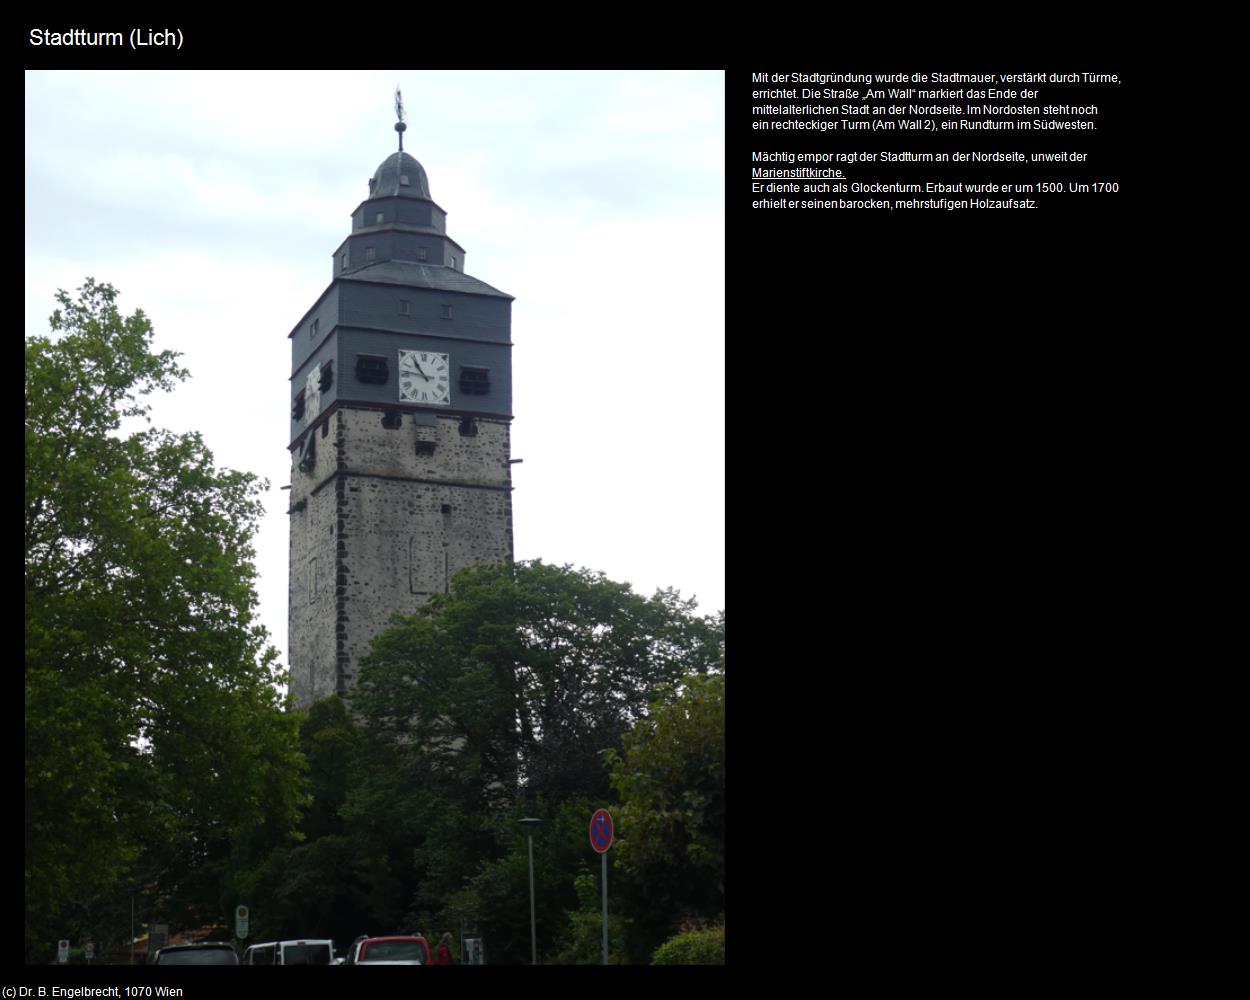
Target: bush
{"points": [[581, 941], [705, 947]]}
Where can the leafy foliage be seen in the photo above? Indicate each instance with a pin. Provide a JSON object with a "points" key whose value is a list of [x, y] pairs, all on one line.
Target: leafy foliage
{"points": [[316, 888], [695, 947], [671, 781], [524, 673], [495, 701], [581, 942], [155, 741], [500, 890]]}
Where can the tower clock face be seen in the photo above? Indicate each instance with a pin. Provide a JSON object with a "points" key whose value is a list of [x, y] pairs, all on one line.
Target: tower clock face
{"points": [[424, 377], [312, 395]]}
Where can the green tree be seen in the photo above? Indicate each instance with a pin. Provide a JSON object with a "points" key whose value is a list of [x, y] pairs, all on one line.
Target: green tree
{"points": [[581, 941], [317, 888], [524, 673], [331, 743], [495, 701], [671, 827], [696, 946], [495, 900], [155, 740]]}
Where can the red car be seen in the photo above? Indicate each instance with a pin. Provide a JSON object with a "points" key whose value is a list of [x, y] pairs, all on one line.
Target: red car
{"points": [[405, 950]]}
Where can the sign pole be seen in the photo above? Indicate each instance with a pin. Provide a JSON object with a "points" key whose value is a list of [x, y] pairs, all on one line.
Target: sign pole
{"points": [[604, 856], [601, 834]]}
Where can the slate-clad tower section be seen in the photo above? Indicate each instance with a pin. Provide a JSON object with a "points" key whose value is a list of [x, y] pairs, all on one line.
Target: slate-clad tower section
{"points": [[401, 402]]}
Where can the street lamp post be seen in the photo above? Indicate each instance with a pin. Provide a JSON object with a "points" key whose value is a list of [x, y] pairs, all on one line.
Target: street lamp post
{"points": [[529, 825]]}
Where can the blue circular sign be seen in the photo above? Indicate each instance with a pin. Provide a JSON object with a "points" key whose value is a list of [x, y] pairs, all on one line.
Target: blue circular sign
{"points": [[601, 831]]}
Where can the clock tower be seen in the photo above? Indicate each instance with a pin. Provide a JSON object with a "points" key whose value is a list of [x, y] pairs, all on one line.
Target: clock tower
{"points": [[401, 401]]}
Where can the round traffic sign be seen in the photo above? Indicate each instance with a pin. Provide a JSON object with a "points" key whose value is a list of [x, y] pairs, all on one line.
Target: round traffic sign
{"points": [[601, 830]]}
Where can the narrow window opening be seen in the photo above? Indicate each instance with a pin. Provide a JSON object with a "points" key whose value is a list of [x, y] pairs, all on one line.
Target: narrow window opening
{"points": [[421, 254], [392, 420], [379, 219], [372, 369], [309, 454], [446, 311], [404, 308], [327, 375], [475, 381], [468, 427], [297, 408]]}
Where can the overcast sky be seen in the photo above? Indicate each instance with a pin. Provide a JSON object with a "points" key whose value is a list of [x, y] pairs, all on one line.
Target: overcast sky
{"points": [[213, 201]]}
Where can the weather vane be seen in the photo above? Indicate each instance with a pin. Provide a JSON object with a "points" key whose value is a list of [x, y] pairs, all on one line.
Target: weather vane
{"points": [[403, 118]]}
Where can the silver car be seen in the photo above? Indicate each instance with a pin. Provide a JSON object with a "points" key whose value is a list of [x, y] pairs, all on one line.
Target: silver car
{"points": [[209, 953], [408, 949]]}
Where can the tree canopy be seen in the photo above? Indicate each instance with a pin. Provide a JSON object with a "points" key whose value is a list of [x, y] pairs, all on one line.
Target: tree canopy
{"points": [[524, 673], [155, 741], [670, 777], [159, 761], [496, 701]]}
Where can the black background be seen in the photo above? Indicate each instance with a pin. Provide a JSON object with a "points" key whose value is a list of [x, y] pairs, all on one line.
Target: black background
{"points": [[922, 734]]}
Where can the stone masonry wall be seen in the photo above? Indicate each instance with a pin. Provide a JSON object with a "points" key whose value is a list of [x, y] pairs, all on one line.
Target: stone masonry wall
{"points": [[311, 607], [383, 527]]}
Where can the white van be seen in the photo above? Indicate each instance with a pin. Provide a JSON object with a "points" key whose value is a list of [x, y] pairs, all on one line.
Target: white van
{"points": [[319, 952]]}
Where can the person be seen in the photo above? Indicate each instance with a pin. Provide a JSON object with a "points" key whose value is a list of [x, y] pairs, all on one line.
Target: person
{"points": [[444, 950]]}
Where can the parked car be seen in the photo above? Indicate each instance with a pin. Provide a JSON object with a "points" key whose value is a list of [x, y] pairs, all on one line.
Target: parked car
{"points": [[206, 953], [353, 948], [301, 952], [411, 949]]}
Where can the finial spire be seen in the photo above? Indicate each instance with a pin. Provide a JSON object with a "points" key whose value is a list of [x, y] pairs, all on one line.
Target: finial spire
{"points": [[400, 125]]}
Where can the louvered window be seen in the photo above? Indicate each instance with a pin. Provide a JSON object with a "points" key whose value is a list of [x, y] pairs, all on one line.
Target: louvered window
{"points": [[371, 368], [475, 381]]}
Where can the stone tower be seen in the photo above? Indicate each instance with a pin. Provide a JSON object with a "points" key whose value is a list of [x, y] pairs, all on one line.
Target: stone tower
{"points": [[401, 401]]}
